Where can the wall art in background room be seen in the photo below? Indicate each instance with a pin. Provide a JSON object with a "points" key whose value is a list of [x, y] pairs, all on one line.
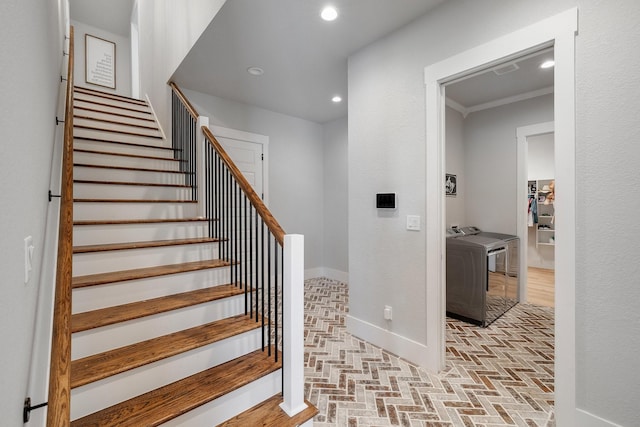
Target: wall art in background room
{"points": [[451, 185], [100, 61]]}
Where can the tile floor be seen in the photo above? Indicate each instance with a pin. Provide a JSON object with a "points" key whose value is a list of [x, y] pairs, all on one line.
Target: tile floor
{"points": [[501, 375]]}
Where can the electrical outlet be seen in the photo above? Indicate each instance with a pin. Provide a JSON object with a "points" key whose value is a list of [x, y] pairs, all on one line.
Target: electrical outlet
{"points": [[388, 312]]}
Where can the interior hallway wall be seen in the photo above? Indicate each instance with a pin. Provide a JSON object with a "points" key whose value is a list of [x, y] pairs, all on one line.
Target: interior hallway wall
{"points": [[123, 58], [335, 201], [32, 41], [386, 149], [295, 165]]}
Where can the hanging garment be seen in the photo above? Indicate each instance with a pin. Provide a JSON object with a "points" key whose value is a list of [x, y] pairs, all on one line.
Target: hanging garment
{"points": [[533, 210]]}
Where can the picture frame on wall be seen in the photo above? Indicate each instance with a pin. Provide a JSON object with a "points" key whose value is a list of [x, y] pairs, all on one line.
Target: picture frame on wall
{"points": [[100, 61], [451, 185]]}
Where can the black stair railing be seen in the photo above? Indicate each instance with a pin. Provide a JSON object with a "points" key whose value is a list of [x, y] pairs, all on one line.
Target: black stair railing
{"points": [[250, 239]]}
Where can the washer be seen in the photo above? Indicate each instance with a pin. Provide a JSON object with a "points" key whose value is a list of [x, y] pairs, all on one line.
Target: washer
{"points": [[482, 274]]}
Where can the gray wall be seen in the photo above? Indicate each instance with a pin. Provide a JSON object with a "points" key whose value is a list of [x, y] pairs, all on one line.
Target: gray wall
{"points": [[455, 164], [335, 197], [31, 51], [295, 165], [386, 149], [491, 161]]}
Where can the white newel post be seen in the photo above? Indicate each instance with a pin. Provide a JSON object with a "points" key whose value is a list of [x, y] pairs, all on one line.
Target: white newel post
{"points": [[293, 323], [201, 164]]}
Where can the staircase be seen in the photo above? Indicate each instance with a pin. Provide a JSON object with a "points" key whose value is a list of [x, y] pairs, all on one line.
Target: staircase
{"points": [[159, 330]]}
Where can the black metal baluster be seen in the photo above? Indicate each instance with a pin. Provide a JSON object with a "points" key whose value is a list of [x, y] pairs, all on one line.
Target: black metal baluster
{"points": [[275, 264], [262, 274], [269, 288]]}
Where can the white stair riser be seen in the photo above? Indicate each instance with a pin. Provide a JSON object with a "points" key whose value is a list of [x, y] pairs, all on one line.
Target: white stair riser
{"points": [[125, 175], [149, 150], [81, 96], [93, 397], [111, 136], [102, 262], [125, 210], [130, 192], [112, 294], [86, 104], [125, 128], [131, 162], [120, 233], [230, 405], [121, 116], [106, 338]]}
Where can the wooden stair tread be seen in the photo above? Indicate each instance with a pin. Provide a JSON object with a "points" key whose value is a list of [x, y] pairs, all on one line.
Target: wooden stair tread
{"points": [[109, 95], [135, 310], [136, 221], [168, 402], [114, 122], [144, 110], [269, 413], [146, 272], [122, 132], [137, 156], [111, 113], [103, 365], [87, 165], [139, 184], [141, 245], [131, 144]]}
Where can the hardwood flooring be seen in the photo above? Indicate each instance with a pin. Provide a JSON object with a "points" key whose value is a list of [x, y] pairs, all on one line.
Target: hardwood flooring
{"points": [[541, 286]]}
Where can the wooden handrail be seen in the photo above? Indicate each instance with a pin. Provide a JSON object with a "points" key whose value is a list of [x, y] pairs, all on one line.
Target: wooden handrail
{"points": [[253, 197], [59, 400], [184, 100]]}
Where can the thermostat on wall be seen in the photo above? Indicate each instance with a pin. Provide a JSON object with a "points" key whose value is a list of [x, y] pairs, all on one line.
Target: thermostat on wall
{"points": [[386, 200]]}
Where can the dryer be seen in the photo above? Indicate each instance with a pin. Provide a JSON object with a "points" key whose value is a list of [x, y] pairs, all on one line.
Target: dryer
{"points": [[482, 274]]}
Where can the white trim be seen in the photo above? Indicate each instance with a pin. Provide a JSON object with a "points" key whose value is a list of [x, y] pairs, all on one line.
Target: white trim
{"points": [[383, 338], [155, 117], [586, 419], [465, 111], [329, 273], [241, 135], [522, 133], [557, 31]]}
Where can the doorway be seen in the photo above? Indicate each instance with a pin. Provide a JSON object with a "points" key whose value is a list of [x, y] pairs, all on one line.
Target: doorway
{"points": [[557, 31]]}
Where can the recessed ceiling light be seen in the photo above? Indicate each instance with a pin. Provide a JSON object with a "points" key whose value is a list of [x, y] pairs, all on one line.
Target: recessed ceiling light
{"points": [[255, 71], [337, 99], [329, 13], [548, 64]]}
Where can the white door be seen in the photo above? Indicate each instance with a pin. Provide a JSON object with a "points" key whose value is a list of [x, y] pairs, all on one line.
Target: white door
{"points": [[248, 152]]}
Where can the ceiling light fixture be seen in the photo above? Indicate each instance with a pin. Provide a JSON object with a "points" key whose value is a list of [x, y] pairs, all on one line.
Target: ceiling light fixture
{"points": [[548, 64], [329, 13], [255, 71], [336, 99]]}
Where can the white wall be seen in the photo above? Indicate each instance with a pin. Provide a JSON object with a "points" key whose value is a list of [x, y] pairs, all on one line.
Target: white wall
{"points": [[491, 162], [335, 250], [168, 30], [386, 148], [295, 165], [455, 164], [123, 58], [32, 44]]}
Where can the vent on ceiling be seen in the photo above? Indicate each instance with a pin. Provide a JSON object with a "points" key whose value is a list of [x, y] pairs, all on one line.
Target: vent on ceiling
{"points": [[505, 69]]}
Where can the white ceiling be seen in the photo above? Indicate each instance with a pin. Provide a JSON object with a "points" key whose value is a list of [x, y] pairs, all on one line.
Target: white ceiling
{"points": [[304, 58], [111, 15]]}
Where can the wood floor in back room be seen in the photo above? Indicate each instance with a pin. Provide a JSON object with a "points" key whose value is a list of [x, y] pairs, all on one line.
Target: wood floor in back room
{"points": [[541, 286]]}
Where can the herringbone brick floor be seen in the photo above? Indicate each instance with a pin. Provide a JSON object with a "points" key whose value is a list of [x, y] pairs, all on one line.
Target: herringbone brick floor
{"points": [[496, 376]]}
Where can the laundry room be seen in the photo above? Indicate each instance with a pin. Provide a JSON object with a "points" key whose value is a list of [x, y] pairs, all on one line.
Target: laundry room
{"points": [[485, 168]]}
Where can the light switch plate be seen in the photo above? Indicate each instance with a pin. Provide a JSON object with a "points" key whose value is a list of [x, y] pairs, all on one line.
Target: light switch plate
{"points": [[413, 222]]}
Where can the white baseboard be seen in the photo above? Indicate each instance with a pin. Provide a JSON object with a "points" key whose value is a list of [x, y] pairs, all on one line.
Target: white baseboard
{"points": [[404, 347], [329, 273], [585, 419]]}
